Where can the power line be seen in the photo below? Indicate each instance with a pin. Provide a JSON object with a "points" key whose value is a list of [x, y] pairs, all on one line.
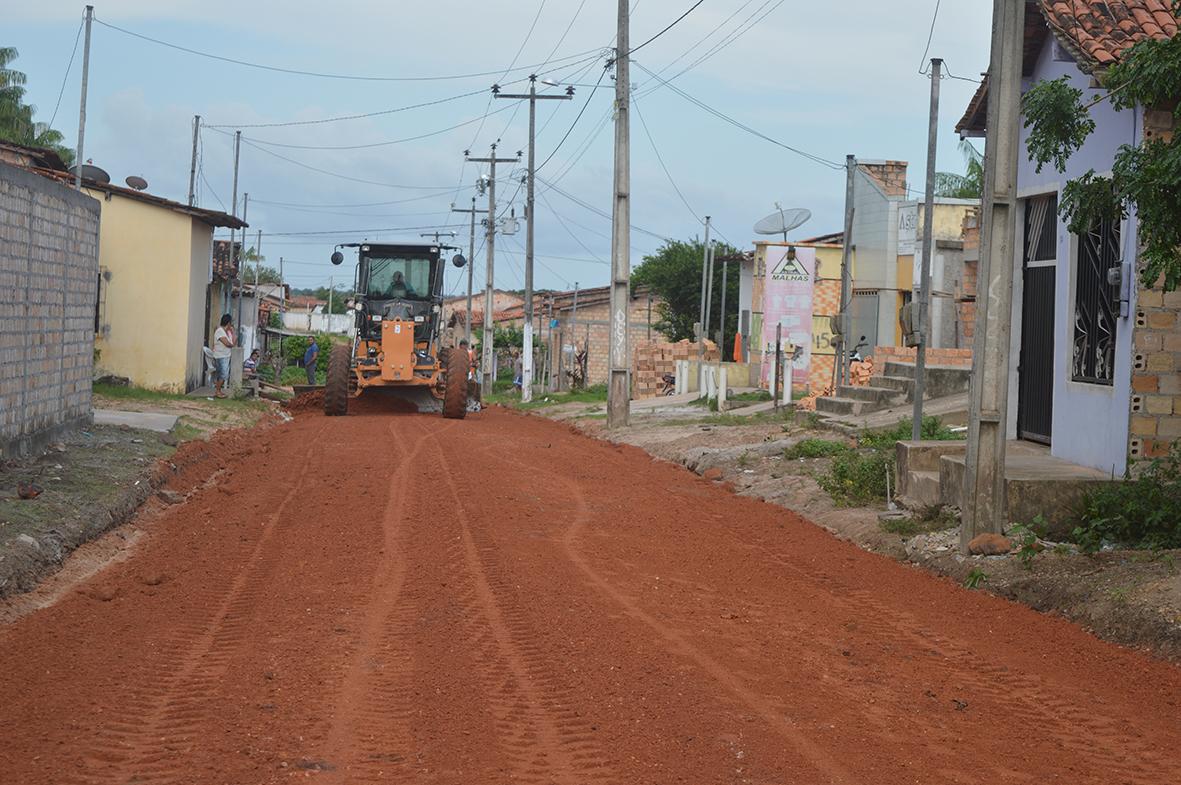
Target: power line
{"points": [[299, 72], [378, 113], [706, 37], [660, 159], [356, 204], [742, 29], [370, 145], [344, 176], [66, 76], [601, 213], [576, 119], [923, 63], [528, 35], [670, 26], [365, 231], [722, 116]]}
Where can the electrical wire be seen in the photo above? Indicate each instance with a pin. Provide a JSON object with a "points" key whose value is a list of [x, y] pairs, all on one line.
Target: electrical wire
{"points": [[66, 76], [923, 64], [570, 130], [356, 204], [576, 238], [365, 231], [602, 213], [356, 77], [742, 29], [378, 113], [663, 166], [670, 26], [705, 38], [722, 116], [330, 173]]}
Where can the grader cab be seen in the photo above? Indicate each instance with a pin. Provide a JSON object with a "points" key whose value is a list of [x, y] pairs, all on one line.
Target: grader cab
{"points": [[398, 304]]}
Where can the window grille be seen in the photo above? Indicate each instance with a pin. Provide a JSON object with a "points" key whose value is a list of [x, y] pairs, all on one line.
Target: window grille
{"points": [[1096, 304]]}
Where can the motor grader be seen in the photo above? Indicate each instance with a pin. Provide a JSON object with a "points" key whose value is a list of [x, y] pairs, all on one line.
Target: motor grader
{"points": [[398, 303]]}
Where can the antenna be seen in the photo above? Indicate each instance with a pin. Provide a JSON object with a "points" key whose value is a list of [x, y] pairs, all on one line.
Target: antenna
{"points": [[136, 182]]}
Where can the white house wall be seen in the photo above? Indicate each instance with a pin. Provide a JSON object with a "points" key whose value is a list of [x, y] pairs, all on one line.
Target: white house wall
{"points": [[1090, 421]]}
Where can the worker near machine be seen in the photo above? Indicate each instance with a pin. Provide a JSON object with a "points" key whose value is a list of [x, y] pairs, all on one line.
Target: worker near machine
{"points": [[311, 357], [399, 288], [223, 344], [518, 366], [471, 356]]}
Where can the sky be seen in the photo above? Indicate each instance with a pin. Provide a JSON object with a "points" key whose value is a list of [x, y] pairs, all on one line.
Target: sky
{"points": [[827, 79]]}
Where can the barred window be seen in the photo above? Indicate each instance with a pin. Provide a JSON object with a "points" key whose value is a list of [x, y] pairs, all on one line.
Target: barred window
{"points": [[1096, 304]]}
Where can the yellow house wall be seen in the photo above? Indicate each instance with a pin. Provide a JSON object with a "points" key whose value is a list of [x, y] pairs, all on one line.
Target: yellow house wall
{"points": [[147, 333]]}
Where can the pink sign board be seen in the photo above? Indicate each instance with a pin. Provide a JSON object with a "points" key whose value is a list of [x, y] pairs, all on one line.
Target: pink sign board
{"points": [[787, 301]]}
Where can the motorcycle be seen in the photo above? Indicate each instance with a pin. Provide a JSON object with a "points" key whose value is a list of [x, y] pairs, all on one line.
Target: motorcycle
{"points": [[668, 384]]}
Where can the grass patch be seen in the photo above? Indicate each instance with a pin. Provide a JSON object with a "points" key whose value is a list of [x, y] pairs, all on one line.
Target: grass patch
{"points": [[596, 393], [932, 519], [129, 393], [857, 478], [1144, 512], [816, 448], [933, 430], [754, 396]]}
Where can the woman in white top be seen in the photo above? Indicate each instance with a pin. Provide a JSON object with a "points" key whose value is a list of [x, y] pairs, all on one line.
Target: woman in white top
{"points": [[223, 342]]}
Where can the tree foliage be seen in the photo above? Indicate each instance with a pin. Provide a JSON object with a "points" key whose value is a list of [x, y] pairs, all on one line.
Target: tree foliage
{"points": [[16, 117], [1146, 178], [970, 184], [674, 273]]}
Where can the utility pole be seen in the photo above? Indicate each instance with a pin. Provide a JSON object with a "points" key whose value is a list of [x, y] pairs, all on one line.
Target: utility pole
{"points": [[238, 273], [984, 503], [920, 362], [487, 352], [257, 262], [701, 318], [331, 282], [618, 392], [846, 272], [527, 349], [709, 292], [467, 334], [722, 323], [193, 162], [282, 312], [234, 202], [82, 108]]}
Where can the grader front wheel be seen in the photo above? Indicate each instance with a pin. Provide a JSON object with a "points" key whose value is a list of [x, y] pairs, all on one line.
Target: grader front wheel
{"points": [[336, 388], [455, 392]]}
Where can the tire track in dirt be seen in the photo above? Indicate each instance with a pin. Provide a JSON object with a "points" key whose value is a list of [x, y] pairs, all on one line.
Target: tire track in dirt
{"points": [[547, 738], [142, 739], [369, 737], [825, 764]]}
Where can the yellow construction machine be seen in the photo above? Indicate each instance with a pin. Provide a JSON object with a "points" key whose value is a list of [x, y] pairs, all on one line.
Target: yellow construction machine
{"points": [[398, 302]]}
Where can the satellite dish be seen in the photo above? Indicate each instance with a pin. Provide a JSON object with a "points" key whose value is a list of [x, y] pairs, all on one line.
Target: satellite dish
{"points": [[136, 182], [783, 221], [92, 173]]}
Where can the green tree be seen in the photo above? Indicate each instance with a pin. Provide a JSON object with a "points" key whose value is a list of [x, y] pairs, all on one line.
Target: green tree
{"points": [[674, 274], [1146, 178], [970, 184], [17, 123]]}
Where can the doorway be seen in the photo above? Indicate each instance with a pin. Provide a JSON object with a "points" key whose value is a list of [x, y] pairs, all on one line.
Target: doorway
{"points": [[1035, 369]]}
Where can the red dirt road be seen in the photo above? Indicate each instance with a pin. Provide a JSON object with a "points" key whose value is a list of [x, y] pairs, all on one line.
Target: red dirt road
{"points": [[500, 600]]}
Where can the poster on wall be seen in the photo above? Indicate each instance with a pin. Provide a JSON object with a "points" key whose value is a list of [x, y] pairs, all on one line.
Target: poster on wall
{"points": [[787, 301]]}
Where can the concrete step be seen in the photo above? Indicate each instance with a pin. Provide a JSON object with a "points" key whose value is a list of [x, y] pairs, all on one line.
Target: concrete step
{"points": [[922, 490], [875, 395], [902, 384], [836, 405], [940, 380]]}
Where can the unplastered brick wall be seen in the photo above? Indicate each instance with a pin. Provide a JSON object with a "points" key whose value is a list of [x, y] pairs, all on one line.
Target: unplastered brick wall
{"points": [[653, 359], [957, 358], [48, 275], [1156, 374], [592, 323]]}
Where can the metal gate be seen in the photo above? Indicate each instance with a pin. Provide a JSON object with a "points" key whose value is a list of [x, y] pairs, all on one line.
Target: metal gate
{"points": [[1035, 371]]}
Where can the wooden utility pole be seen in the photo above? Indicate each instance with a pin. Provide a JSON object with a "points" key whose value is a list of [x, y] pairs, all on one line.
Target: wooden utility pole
{"points": [[488, 354], [618, 388], [920, 363], [81, 160], [984, 507], [527, 349]]}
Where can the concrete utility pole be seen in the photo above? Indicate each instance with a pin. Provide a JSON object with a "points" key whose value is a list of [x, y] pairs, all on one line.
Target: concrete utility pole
{"points": [[80, 160], [846, 272], [920, 362], [701, 318], [487, 353], [467, 330], [238, 274], [618, 392], [709, 292], [984, 507], [257, 261], [527, 349], [722, 322], [193, 162], [234, 199]]}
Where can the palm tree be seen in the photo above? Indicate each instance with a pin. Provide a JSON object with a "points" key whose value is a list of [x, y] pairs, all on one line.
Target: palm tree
{"points": [[16, 117], [969, 185]]}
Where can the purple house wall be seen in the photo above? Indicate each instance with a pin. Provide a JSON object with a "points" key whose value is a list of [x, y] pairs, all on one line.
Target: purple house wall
{"points": [[1090, 421]]}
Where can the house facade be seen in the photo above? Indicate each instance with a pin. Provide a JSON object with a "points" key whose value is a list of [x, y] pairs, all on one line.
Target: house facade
{"points": [[1093, 354]]}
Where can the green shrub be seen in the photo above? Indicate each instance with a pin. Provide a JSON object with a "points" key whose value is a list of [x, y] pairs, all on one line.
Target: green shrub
{"points": [[1138, 513], [858, 477], [815, 448], [933, 430]]}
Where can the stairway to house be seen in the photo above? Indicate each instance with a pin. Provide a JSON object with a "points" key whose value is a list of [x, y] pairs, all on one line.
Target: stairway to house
{"points": [[894, 388]]}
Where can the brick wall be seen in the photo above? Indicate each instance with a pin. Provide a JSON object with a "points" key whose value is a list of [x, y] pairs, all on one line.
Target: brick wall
{"points": [[1156, 374], [48, 274], [653, 359], [592, 324], [890, 175], [958, 358]]}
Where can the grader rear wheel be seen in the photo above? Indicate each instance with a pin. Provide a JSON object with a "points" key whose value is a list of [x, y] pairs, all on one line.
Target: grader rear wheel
{"points": [[336, 388], [455, 393]]}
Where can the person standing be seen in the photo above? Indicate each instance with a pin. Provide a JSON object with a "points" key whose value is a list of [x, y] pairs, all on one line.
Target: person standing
{"points": [[311, 358], [223, 344]]}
